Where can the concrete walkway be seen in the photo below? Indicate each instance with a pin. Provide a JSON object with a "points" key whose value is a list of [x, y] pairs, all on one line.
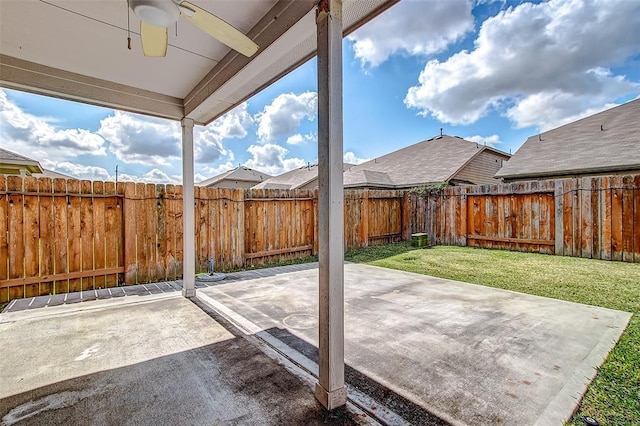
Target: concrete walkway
{"points": [[468, 354]]}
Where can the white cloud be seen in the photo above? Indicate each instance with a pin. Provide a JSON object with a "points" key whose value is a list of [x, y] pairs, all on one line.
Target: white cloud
{"points": [[491, 140], [140, 139], [37, 138], [158, 176], [78, 171], [270, 158], [210, 171], [540, 62], [351, 158], [283, 116], [299, 139], [154, 141], [549, 110], [414, 28], [152, 176], [208, 146], [233, 124]]}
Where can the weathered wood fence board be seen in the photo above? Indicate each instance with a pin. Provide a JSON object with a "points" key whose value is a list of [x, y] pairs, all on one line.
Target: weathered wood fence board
{"points": [[517, 216], [599, 217], [593, 217], [68, 235], [56, 236], [279, 225]]}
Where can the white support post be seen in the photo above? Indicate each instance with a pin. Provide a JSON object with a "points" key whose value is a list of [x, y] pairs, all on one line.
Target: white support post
{"points": [[188, 217], [330, 389]]}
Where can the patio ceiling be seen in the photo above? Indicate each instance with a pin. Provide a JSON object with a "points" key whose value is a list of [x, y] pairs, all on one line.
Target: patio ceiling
{"points": [[77, 50]]}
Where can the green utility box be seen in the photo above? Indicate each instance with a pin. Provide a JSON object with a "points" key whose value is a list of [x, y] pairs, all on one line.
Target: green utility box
{"points": [[420, 240]]}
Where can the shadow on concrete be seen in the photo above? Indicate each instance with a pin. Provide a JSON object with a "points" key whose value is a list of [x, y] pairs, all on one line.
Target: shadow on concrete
{"points": [[412, 413], [229, 382], [409, 411]]}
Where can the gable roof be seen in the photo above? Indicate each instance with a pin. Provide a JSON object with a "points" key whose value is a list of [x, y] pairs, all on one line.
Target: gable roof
{"points": [[11, 158], [240, 173], [431, 161], [295, 178], [605, 142]]}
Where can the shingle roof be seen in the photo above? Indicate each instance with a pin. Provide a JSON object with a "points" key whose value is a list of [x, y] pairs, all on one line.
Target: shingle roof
{"points": [[53, 174], [431, 161], [295, 178], [240, 173], [582, 147], [12, 158]]}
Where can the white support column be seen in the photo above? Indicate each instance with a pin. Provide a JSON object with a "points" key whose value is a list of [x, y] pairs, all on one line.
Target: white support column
{"points": [[188, 216], [330, 389]]}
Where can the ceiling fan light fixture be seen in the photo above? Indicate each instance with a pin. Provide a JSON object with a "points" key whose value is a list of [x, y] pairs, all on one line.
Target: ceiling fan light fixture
{"points": [[156, 12]]}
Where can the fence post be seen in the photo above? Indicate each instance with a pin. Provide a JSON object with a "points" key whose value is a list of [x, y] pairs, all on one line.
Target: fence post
{"points": [[364, 217], [239, 195], [129, 225], [405, 218], [559, 224], [462, 241], [315, 222]]}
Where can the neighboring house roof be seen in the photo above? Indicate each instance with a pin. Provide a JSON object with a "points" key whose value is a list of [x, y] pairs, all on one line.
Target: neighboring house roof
{"points": [[11, 163], [240, 173], [431, 161], [294, 179], [53, 174], [602, 143], [10, 160]]}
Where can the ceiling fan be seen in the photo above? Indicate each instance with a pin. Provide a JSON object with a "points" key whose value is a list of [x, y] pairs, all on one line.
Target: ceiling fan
{"points": [[156, 15]]}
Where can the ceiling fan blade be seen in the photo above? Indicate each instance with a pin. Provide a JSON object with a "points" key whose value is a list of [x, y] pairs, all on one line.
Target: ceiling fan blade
{"points": [[219, 29], [154, 40]]}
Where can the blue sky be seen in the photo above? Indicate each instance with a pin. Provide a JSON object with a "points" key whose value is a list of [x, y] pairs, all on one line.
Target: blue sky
{"points": [[490, 71]]}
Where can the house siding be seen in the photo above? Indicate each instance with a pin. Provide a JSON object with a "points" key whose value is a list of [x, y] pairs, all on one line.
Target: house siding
{"points": [[481, 169], [310, 185]]}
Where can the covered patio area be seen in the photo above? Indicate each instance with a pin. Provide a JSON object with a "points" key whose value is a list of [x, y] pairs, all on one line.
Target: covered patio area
{"points": [[418, 350], [138, 56], [144, 359]]}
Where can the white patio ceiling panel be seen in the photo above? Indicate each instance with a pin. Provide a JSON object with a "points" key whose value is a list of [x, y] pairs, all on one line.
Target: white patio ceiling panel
{"points": [[77, 49], [89, 37]]}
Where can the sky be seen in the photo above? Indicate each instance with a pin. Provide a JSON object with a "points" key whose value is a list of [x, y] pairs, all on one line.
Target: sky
{"points": [[490, 71]]}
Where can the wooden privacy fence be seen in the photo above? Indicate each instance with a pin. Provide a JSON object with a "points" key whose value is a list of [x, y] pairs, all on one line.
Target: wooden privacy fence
{"points": [[592, 217], [63, 235], [58, 236]]}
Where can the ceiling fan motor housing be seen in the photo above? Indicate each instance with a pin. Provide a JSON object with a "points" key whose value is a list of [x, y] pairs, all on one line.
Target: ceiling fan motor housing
{"points": [[160, 13]]}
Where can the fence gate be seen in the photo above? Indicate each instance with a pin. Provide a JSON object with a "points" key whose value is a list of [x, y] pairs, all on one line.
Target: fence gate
{"points": [[516, 221]]}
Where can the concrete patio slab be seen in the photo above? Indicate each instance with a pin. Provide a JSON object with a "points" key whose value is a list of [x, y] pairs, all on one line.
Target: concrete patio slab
{"points": [[152, 360], [468, 354]]}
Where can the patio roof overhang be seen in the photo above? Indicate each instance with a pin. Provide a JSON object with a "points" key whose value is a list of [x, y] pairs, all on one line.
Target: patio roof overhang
{"points": [[77, 50]]}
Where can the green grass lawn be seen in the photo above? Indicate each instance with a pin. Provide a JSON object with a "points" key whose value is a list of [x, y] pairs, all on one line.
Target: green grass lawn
{"points": [[614, 395]]}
